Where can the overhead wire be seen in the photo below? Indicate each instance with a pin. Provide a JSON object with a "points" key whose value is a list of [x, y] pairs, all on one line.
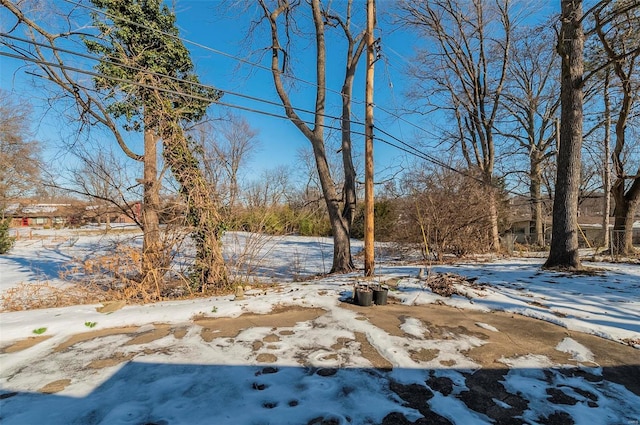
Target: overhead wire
{"points": [[247, 62], [203, 46], [403, 146], [169, 77], [163, 89]]}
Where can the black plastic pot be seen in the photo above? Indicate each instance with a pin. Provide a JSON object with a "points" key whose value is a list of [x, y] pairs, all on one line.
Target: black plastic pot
{"points": [[363, 297], [380, 295]]}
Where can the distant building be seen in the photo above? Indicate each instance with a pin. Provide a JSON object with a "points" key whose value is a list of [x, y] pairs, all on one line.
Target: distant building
{"points": [[590, 216], [28, 213], [44, 215]]}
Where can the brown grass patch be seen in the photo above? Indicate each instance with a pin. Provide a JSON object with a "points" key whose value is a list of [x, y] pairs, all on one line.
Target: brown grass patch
{"points": [[114, 360], [230, 327], [266, 358], [28, 296], [424, 355], [160, 331]]}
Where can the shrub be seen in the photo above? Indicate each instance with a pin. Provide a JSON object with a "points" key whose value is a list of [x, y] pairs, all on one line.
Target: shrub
{"points": [[385, 218], [6, 241], [446, 212]]}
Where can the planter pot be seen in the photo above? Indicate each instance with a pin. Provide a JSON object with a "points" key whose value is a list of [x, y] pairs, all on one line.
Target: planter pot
{"points": [[363, 297], [380, 295]]}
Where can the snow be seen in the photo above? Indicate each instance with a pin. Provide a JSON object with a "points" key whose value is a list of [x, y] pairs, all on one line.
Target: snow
{"points": [[606, 305], [579, 352], [309, 369], [487, 327]]}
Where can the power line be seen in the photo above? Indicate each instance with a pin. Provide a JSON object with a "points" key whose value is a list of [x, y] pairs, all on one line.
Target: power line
{"points": [[176, 79], [202, 46], [417, 153], [425, 156], [164, 90], [253, 64]]}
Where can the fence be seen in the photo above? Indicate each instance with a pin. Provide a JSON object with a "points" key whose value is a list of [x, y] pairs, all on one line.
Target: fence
{"points": [[616, 241]]}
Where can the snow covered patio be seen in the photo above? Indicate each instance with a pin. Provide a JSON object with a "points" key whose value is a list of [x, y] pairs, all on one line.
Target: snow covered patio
{"points": [[520, 346]]}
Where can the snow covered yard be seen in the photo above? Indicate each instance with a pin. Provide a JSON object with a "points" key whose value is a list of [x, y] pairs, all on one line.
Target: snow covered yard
{"points": [[316, 358]]}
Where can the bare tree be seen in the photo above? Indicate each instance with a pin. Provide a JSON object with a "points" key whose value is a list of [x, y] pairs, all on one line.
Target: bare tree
{"points": [[444, 212], [280, 18], [19, 161], [531, 103], [102, 177], [463, 72], [227, 145], [617, 29], [271, 189], [564, 243], [606, 165]]}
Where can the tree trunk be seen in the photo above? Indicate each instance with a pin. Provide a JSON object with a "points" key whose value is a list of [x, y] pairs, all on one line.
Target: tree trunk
{"points": [[624, 215], [493, 216], [564, 238], [626, 203], [349, 187], [151, 248], [535, 193], [606, 168], [208, 268], [354, 52], [342, 261]]}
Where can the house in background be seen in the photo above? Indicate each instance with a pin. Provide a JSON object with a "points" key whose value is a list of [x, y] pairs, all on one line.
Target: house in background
{"points": [[25, 214], [30, 213], [590, 217]]}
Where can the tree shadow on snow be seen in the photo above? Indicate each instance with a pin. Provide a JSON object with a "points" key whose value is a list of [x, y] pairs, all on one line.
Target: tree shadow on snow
{"points": [[165, 394]]}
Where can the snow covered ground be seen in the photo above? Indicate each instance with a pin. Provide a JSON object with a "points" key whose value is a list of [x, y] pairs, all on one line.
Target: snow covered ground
{"points": [[173, 363]]}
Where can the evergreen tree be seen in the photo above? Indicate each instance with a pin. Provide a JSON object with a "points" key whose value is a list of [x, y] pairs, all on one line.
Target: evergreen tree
{"points": [[148, 75], [6, 241]]}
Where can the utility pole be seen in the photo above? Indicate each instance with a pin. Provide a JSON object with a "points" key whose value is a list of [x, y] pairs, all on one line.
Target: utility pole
{"points": [[368, 147]]}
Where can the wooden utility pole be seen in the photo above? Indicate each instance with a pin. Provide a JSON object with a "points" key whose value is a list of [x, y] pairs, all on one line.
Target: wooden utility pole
{"points": [[368, 148]]}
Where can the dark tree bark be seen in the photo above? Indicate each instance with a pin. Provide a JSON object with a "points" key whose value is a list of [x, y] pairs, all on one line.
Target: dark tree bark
{"points": [[626, 204], [151, 247], [564, 237], [355, 48]]}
